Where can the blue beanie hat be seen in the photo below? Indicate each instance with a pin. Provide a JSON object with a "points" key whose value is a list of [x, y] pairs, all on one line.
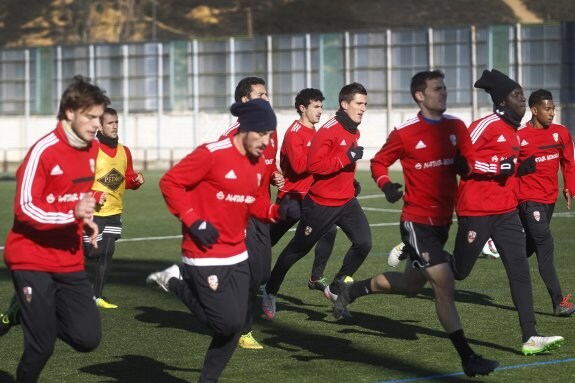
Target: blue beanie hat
{"points": [[255, 115], [497, 84]]}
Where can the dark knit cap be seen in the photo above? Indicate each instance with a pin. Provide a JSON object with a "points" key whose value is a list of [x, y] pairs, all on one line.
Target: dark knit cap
{"points": [[497, 84], [255, 115]]}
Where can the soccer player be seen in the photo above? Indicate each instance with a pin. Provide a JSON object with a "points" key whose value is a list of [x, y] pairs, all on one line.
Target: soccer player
{"points": [[213, 191], [52, 207], [426, 145], [544, 147], [258, 240], [114, 174], [487, 203], [331, 198], [293, 162]]}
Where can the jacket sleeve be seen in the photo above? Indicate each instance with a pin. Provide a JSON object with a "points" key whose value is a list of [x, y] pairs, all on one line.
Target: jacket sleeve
{"points": [[32, 205], [323, 157], [296, 152], [464, 145], [184, 176], [130, 173], [567, 161], [390, 152]]}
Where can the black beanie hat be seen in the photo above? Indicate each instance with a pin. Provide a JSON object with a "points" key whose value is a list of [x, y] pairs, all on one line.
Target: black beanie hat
{"points": [[255, 115], [497, 84]]}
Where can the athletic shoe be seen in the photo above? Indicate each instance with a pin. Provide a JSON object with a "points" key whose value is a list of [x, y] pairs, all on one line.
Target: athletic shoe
{"points": [[565, 308], [478, 365], [344, 312], [11, 317], [162, 278], [319, 284], [489, 250], [104, 304], [396, 255], [342, 300], [269, 304], [248, 341], [539, 344]]}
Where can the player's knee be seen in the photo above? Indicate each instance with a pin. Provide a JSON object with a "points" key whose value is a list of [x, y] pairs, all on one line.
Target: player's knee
{"points": [[88, 342]]}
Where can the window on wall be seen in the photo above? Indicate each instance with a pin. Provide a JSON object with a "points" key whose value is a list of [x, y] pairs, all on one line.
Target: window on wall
{"points": [[541, 59], [452, 55], [12, 82], [110, 71], [368, 65], [289, 68], [250, 61], [409, 55], [213, 64]]}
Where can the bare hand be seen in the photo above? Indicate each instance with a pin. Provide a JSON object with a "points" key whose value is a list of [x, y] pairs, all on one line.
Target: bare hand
{"points": [[568, 196], [91, 229], [139, 178], [278, 180], [85, 207]]}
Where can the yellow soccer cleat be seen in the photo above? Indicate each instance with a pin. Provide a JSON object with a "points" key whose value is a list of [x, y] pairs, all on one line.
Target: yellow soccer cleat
{"points": [[248, 341], [103, 304]]}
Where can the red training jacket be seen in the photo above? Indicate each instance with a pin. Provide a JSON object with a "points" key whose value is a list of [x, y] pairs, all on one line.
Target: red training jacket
{"points": [[46, 235], [333, 172], [486, 191], [293, 161], [218, 184], [552, 147], [426, 152]]}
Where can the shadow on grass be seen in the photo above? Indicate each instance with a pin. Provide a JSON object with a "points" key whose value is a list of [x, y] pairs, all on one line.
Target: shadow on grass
{"points": [[183, 320], [5, 377], [136, 368]]}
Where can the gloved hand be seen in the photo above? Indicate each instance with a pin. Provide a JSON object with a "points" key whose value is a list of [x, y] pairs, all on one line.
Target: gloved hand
{"points": [[528, 166], [204, 232], [289, 209], [507, 166], [357, 187], [461, 165], [354, 153], [392, 192]]}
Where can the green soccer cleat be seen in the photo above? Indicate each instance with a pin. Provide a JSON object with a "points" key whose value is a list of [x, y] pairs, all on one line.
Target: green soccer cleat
{"points": [[319, 284], [104, 304]]}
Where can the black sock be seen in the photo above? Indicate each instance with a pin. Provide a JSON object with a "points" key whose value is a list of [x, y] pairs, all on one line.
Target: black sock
{"points": [[461, 345], [359, 289]]}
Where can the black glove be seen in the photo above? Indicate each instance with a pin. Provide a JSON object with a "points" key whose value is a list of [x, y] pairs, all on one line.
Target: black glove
{"points": [[354, 152], [392, 192], [507, 166], [461, 165], [356, 187], [527, 167], [204, 232], [289, 209]]}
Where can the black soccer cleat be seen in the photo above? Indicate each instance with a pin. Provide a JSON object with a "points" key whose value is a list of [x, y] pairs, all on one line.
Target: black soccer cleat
{"points": [[478, 365]]}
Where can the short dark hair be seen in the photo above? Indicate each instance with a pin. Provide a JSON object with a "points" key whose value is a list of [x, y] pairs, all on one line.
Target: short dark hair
{"points": [[244, 87], [110, 111], [348, 92], [81, 94], [306, 96], [419, 80], [539, 96]]}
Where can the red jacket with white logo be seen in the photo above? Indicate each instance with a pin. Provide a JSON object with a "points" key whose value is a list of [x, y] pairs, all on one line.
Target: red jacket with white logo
{"points": [[486, 191], [218, 184], [269, 154], [46, 235], [552, 147], [333, 172], [426, 152], [293, 160]]}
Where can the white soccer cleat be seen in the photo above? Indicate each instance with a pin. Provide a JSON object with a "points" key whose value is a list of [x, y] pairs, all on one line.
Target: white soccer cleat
{"points": [[539, 344], [489, 250], [162, 278], [396, 255]]}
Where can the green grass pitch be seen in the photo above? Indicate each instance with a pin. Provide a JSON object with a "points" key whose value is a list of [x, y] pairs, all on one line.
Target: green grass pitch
{"points": [[153, 338]]}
